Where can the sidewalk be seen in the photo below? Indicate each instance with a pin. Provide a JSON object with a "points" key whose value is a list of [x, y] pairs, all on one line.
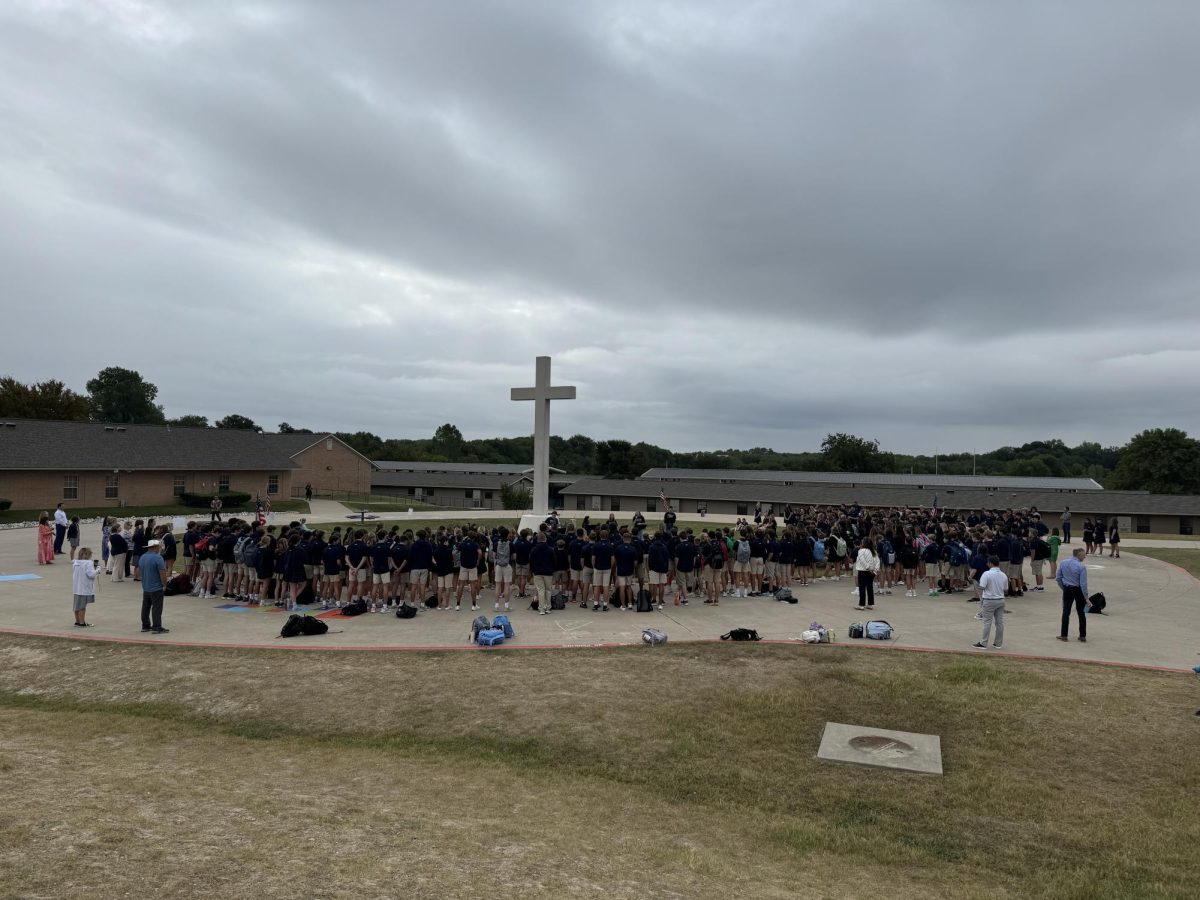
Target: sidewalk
{"points": [[1154, 616]]}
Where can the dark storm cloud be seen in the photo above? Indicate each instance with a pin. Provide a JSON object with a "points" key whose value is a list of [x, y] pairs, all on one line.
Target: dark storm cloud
{"points": [[411, 200]]}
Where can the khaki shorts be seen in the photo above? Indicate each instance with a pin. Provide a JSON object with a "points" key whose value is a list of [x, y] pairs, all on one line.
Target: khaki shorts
{"points": [[208, 565], [418, 576], [686, 579], [737, 567], [503, 575], [958, 573], [381, 577], [757, 565], [584, 576], [933, 568], [602, 577], [465, 574], [621, 580], [770, 568], [521, 571], [247, 571], [334, 579], [309, 571], [445, 581], [658, 577], [711, 575], [641, 571], [1037, 566], [1013, 570]]}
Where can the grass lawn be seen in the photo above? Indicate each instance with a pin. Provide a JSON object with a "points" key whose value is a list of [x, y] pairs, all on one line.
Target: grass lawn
{"points": [[31, 515], [1185, 559], [1162, 537], [684, 771], [382, 503]]}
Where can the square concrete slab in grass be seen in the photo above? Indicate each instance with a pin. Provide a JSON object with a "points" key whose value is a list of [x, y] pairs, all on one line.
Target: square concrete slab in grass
{"points": [[882, 748]]}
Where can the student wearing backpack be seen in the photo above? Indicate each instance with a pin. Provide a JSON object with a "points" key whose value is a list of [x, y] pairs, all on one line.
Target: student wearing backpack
{"points": [[741, 566], [502, 567], [1039, 552]]}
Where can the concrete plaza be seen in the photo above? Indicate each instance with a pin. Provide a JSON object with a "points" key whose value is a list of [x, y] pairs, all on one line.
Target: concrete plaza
{"points": [[1153, 620]]}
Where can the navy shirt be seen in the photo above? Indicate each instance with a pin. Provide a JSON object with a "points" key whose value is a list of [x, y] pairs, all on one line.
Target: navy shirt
{"points": [[658, 559], [355, 553], [542, 559], [685, 556], [520, 551], [420, 555], [627, 558], [381, 557], [602, 553], [400, 555], [468, 554], [333, 559]]}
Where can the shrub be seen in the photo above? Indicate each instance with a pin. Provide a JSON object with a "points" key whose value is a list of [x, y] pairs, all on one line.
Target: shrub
{"points": [[4, 504], [228, 499]]}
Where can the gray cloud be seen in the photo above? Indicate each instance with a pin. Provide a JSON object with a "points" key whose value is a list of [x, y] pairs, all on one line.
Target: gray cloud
{"points": [[930, 223]]}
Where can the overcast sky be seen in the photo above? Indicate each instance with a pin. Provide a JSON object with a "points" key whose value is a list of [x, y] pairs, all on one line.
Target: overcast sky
{"points": [[938, 224]]}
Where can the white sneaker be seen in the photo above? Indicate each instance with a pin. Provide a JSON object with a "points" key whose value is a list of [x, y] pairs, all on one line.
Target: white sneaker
{"points": [[456, 607], [496, 607], [506, 606]]}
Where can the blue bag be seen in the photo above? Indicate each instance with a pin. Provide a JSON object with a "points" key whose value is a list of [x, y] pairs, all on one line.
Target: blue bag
{"points": [[489, 637], [878, 630], [504, 625]]}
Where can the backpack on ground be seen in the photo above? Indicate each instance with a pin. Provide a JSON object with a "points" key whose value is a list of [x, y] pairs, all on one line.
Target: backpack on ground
{"points": [[306, 596], [481, 623], [743, 551], [644, 602], [765, 587], [654, 637], [1096, 604], [784, 595], [489, 637], [291, 628], [504, 625], [856, 630], [404, 611], [558, 601], [311, 626], [810, 636], [741, 634], [355, 608], [431, 601], [179, 583], [878, 630], [824, 636]]}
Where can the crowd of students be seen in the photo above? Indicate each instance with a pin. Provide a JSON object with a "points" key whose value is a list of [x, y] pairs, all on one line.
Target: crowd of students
{"points": [[607, 565]]}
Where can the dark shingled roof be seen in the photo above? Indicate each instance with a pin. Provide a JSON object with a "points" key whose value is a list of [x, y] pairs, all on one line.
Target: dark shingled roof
{"points": [[1129, 503], [1003, 482], [33, 444]]}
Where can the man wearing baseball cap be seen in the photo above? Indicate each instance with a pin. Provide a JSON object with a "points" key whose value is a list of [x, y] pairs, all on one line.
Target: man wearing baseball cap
{"points": [[152, 569]]}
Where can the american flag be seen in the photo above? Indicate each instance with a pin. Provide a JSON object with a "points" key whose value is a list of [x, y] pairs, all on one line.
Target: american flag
{"points": [[261, 510], [663, 497]]}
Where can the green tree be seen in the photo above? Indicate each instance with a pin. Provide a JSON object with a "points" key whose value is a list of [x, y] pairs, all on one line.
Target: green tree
{"points": [[515, 498], [1159, 460], [44, 400], [617, 459], [848, 453], [285, 428], [371, 446], [122, 395], [235, 422], [448, 442], [189, 421]]}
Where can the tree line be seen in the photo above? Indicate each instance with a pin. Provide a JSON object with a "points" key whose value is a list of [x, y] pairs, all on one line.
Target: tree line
{"points": [[1160, 460]]}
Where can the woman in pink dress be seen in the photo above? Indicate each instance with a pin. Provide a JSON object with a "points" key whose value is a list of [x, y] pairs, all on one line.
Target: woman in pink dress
{"points": [[45, 547]]}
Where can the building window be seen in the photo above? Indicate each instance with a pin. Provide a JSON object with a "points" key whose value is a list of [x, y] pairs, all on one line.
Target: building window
{"points": [[651, 504], [743, 509], [112, 487], [580, 503], [469, 494], [1185, 525], [178, 486], [429, 492], [223, 484], [70, 487], [328, 443], [272, 484], [1142, 525], [412, 492], [487, 495], [614, 504]]}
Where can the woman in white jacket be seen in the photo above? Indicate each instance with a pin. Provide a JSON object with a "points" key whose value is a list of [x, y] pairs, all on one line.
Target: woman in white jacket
{"points": [[866, 566], [83, 583]]}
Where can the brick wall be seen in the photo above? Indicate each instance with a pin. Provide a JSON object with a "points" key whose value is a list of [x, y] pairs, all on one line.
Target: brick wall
{"points": [[331, 466], [42, 490]]}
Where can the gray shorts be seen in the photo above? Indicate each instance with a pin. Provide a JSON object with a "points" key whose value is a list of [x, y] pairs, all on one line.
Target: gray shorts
{"points": [[82, 600]]}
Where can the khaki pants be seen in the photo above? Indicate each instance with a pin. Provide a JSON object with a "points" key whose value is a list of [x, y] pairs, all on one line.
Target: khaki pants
{"points": [[544, 585]]}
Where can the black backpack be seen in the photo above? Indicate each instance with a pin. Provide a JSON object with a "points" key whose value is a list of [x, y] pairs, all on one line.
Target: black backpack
{"points": [[310, 625], [431, 601], [716, 559], [305, 597], [644, 602], [558, 601], [1096, 604], [404, 611], [741, 634], [291, 628], [356, 608]]}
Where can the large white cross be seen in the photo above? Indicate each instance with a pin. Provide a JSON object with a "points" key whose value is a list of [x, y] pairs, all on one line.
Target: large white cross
{"points": [[541, 394]]}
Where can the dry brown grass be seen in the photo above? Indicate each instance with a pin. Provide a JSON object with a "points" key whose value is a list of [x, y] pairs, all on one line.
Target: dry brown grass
{"points": [[683, 771]]}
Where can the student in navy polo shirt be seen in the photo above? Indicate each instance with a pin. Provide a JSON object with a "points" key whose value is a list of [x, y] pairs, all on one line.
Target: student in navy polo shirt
{"points": [[468, 569], [625, 559], [542, 562], [332, 559], [658, 563], [602, 565], [443, 570], [399, 554], [685, 568], [420, 561], [521, 546], [358, 572]]}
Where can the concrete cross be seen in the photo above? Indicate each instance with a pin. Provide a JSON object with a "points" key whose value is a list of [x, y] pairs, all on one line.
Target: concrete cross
{"points": [[541, 394]]}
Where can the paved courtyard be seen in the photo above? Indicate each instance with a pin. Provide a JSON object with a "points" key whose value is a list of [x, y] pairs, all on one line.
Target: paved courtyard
{"points": [[1153, 620]]}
